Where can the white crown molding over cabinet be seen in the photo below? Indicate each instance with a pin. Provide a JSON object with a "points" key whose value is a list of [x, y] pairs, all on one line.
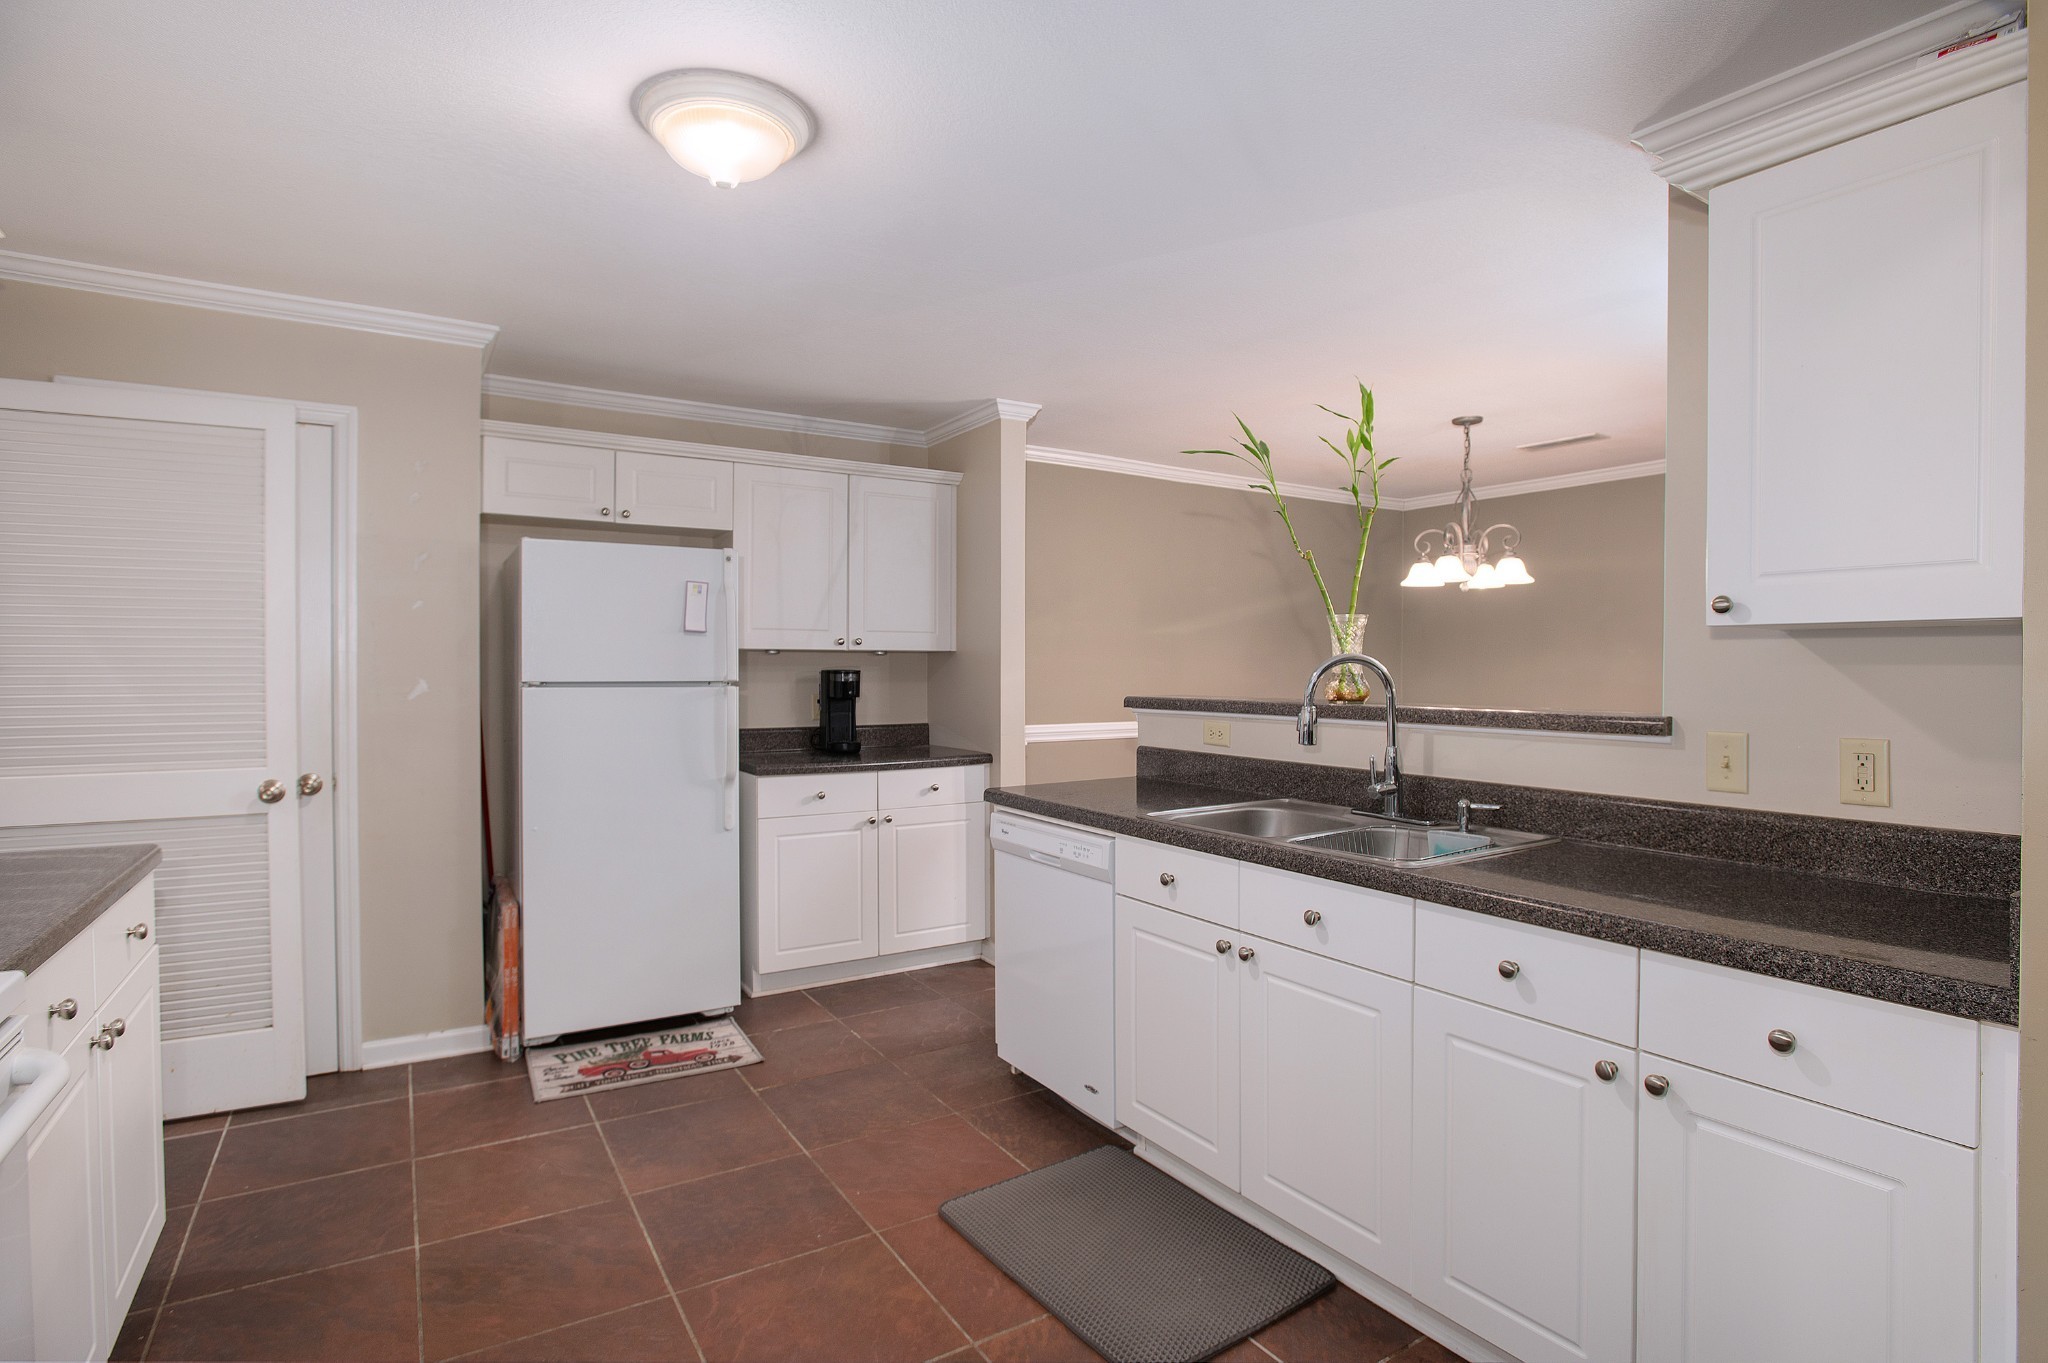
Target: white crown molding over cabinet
{"points": [[1864, 87]]}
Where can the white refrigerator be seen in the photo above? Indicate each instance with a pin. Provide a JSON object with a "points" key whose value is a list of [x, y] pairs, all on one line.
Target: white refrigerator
{"points": [[627, 863]]}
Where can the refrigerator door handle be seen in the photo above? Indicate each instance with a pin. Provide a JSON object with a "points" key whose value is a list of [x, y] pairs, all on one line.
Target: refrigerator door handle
{"points": [[731, 741], [730, 617]]}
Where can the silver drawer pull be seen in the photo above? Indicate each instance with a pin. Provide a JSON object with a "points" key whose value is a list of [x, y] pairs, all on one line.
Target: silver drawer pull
{"points": [[1166, 877], [104, 1041], [140, 932], [1222, 947], [66, 1009], [1245, 953], [119, 1026], [1312, 917], [1656, 1085], [1605, 1071], [1782, 1041], [932, 789], [1509, 969]]}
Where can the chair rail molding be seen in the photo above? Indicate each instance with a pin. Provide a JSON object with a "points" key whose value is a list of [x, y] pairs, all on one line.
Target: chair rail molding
{"points": [[1111, 731], [1885, 79]]}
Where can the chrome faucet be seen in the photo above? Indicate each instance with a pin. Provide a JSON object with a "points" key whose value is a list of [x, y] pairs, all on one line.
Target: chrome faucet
{"points": [[1386, 778]]}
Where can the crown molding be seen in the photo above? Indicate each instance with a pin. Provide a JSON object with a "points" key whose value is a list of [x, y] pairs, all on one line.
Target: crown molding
{"points": [[1866, 86], [730, 454], [287, 307], [1174, 473], [648, 404], [980, 414]]}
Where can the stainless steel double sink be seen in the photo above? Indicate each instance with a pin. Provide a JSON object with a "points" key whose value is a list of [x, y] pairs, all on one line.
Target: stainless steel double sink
{"points": [[1332, 828]]}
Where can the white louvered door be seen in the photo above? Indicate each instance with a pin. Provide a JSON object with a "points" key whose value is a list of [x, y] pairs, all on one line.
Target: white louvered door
{"points": [[148, 688]]}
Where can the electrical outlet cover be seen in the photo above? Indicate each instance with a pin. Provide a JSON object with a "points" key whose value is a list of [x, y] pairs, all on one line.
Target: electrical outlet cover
{"points": [[1216, 732], [1866, 775], [1728, 763]]}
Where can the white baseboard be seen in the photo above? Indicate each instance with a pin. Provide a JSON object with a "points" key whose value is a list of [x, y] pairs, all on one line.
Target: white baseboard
{"points": [[406, 1050], [866, 968]]}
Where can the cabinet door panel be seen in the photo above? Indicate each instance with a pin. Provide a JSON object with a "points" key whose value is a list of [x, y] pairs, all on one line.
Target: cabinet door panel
{"points": [[1326, 1102], [817, 890], [900, 571], [1177, 1052], [541, 478], [934, 870], [1776, 1230], [789, 528], [130, 1081], [66, 1267], [1524, 1182], [1866, 342], [673, 490]]}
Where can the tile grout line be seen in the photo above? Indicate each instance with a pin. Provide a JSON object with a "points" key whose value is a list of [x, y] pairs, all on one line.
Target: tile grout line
{"points": [[584, 1320], [640, 1221], [178, 1260]]}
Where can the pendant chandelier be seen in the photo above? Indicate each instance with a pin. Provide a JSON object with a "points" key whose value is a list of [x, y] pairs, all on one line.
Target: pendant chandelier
{"points": [[1461, 556]]}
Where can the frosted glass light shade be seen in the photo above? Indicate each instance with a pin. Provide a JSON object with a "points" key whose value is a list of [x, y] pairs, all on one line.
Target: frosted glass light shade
{"points": [[1450, 568], [724, 126], [1485, 579], [1512, 572], [1422, 573]]}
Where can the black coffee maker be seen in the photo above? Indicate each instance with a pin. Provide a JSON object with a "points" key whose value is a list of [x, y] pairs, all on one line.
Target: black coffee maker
{"points": [[838, 689]]}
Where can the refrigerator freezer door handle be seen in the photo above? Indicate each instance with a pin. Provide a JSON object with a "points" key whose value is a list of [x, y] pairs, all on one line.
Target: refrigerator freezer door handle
{"points": [[730, 617]]}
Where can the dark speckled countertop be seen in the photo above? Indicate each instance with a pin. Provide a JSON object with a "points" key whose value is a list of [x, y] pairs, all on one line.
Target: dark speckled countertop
{"points": [[788, 752], [1949, 952], [49, 897]]}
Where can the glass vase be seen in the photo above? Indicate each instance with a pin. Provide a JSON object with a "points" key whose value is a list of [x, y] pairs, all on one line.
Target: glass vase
{"points": [[1347, 685]]}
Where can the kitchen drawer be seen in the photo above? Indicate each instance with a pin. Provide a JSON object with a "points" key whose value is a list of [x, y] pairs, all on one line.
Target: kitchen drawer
{"points": [[781, 797], [1175, 878], [1576, 982], [65, 978], [122, 936], [1900, 1065], [915, 787], [1347, 922]]}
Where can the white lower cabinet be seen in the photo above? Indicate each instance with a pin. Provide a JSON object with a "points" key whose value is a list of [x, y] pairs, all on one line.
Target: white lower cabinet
{"points": [[1524, 1183], [1177, 1055], [1325, 1086], [66, 1270], [857, 880], [1777, 1230], [128, 1075]]}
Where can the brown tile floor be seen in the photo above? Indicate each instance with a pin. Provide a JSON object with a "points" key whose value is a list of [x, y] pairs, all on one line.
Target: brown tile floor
{"points": [[784, 1212]]}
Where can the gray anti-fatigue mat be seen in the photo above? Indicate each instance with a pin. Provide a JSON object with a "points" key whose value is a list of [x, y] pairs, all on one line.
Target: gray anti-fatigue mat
{"points": [[1141, 1267]]}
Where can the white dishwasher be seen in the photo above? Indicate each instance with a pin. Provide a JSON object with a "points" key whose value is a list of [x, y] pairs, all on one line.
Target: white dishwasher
{"points": [[1056, 958]]}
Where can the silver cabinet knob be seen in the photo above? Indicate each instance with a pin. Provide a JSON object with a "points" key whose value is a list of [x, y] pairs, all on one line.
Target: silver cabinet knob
{"points": [[1656, 1085], [1605, 1070], [119, 1026], [604, 511], [839, 641], [66, 1009], [310, 783], [140, 932], [270, 792], [1721, 605], [1782, 1041], [1245, 953], [1509, 969], [1222, 947], [856, 641], [625, 514], [1166, 877], [871, 818], [819, 796], [932, 789], [1312, 917], [888, 818], [104, 1041]]}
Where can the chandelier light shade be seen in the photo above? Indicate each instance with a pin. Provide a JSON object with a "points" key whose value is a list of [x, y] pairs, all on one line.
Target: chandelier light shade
{"points": [[727, 127], [1476, 562]]}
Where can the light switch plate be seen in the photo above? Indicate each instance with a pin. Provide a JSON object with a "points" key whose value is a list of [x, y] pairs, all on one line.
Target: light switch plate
{"points": [[1216, 732], [1728, 763], [1866, 771]]}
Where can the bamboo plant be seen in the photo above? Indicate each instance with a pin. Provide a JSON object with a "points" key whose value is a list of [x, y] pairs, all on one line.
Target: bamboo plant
{"points": [[1362, 468]]}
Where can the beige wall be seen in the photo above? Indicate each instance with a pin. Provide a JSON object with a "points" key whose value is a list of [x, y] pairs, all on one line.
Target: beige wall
{"points": [[421, 877], [1587, 635], [2033, 1173], [977, 691]]}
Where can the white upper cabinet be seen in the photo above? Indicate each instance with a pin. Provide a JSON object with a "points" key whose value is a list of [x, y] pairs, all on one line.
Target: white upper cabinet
{"points": [[541, 478], [1865, 376], [673, 490], [900, 574], [789, 527]]}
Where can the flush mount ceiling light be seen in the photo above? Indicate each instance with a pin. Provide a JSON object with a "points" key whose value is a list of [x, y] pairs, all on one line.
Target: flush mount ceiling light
{"points": [[724, 126], [1463, 557]]}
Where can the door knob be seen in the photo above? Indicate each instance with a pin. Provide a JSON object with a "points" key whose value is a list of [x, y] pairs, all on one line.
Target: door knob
{"points": [[311, 784], [1245, 953], [1605, 1070], [1222, 947], [1312, 917], [1656, 1085], [270, 792], [1721, 605], [1782, 1041]]}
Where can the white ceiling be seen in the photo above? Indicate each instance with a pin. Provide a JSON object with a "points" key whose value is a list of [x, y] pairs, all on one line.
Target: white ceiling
{"points": [[1144, 215]]}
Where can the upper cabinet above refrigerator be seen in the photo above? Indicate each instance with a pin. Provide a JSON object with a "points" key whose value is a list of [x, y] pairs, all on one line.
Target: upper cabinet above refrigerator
{"points": [[1866, 290]]}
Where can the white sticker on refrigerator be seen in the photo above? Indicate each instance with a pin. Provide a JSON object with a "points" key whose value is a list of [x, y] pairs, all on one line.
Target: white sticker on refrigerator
{"points": [[696, 607]]}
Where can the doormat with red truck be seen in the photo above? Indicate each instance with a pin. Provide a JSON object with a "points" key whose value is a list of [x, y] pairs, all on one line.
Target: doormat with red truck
{"points": [[645, 1058]]}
